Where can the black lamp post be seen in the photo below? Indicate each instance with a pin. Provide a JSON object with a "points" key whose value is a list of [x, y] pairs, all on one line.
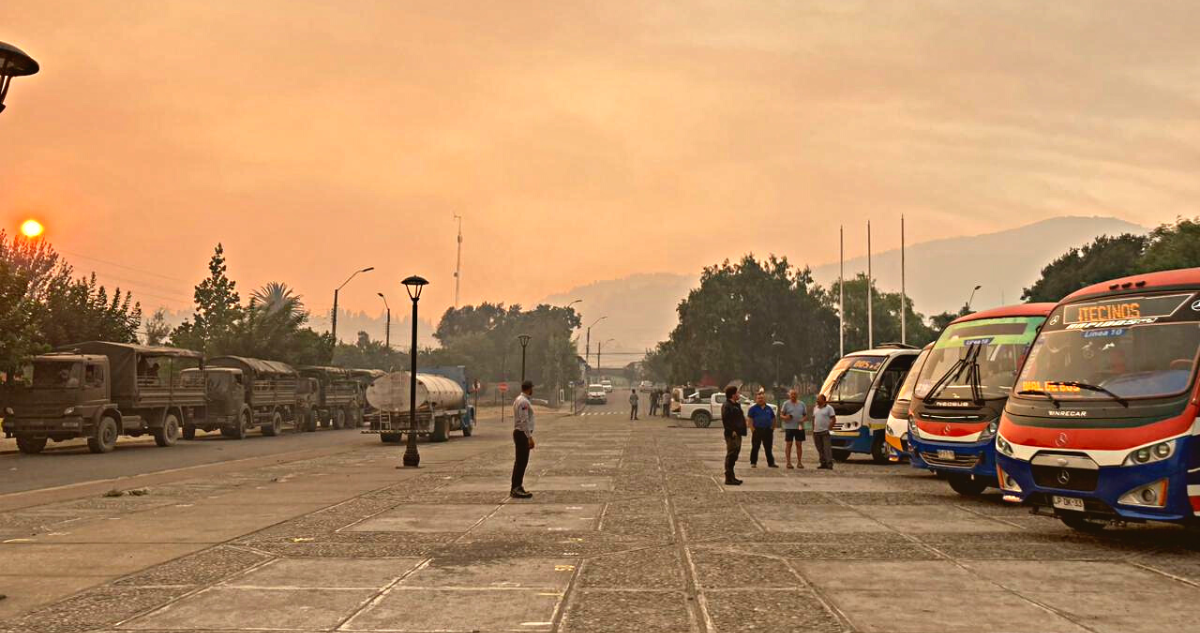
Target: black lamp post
{"points": [[412, 458], [13, 63], [333, 326], [778, 347], [524, 338], [387, 328]]}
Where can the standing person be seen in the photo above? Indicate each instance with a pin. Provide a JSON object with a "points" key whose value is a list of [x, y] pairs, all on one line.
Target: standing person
{"points": [[522, 439], [763, 435], [653, 402], [734, 422], [793, 414], [823, 419], [666, 403], [633, 404]]}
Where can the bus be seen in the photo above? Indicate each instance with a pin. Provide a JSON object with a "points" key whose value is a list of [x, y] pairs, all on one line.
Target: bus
{"points": [[862, 387], [896, 433], [962, 389], [1102, 427]]}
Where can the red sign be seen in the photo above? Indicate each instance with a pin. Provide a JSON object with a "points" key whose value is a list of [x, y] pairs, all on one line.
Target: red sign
{"points": [[503, 387]]}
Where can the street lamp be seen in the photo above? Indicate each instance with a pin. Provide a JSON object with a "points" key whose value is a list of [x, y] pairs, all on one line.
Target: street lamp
{"points": [[972, 298], [778, 347], [412, 458], [587, 349], [387, 328], [335, 301], [598, 347], [524, 339], [13, 63]]}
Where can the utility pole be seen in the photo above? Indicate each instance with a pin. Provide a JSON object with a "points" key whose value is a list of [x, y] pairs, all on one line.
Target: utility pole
{"points": [[458, 261], [903, 292], [841, 291]]}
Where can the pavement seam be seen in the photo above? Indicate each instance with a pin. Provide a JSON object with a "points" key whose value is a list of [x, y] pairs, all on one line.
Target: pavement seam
{"points": [[378, 597], [188, 594], [988, 516], [1163, 573]]}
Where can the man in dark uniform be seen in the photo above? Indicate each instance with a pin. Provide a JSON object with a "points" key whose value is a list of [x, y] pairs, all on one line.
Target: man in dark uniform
{"points": [[734, 421]]}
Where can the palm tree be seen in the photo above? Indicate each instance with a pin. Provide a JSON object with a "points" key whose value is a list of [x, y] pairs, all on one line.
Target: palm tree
{"points": [[276, 297]]}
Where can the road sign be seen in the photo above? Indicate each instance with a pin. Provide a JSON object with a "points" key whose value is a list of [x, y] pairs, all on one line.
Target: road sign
{"points": [[503, 387]]}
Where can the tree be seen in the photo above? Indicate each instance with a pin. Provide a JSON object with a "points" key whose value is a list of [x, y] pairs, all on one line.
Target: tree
{"points": [[77, 310], [157, 329], [275, 297], [484, 337], [369, 354], [218, 308], [1171, 246], [1103, 259]]}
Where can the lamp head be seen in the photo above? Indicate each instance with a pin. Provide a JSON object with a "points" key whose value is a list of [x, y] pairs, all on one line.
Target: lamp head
{"points": [[414, 284], [524, 338], [367, 269]]}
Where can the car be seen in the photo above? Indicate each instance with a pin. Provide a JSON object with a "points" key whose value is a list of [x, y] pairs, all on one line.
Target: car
{"points": [[702, 412], [645, 385], [607, 384], [596, 394]]}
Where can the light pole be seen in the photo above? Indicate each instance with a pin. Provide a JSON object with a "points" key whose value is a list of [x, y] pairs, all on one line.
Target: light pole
{"points": [[524, 339], [778, 347], [412, 458], [587, 349], [387, 328], [598, 347], [335, 301], [13, 63], [972, 298]]}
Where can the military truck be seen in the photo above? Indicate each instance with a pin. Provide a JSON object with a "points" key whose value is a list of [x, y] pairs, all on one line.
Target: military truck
{"points": [[339, 396], [100, 390], [247, 392]]}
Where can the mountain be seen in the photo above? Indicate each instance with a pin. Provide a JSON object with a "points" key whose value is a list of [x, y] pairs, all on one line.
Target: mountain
{"points": [[940, 276], [941, 273]]}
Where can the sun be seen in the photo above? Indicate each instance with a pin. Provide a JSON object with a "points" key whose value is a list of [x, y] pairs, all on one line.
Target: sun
{"points": [[32, 228]]}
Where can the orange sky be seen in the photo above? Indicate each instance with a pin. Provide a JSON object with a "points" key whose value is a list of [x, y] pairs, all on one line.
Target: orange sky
{"points": [[581, 141]]}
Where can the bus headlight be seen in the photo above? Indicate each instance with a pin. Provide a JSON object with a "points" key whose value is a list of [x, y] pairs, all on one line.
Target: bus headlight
{"points": [[1153, 495], [1150, 454], [912, 428], [989, 432], [1003, 446]]}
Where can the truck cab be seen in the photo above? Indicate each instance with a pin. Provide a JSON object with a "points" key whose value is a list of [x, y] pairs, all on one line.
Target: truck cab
{"points": [[862, 388], [225, 398], [62, 396]]}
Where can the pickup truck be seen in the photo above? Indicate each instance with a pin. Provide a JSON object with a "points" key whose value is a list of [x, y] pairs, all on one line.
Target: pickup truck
{"points": [[703, 412]]}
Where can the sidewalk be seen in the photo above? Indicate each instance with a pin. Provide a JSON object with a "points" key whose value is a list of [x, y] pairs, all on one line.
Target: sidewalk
{"points": [[630, 529]]}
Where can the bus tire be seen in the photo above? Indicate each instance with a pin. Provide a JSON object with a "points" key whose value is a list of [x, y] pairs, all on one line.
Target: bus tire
{"points": [[441, 430], [104, 438], [966, 485], [840, 454], [1081, 522], [166, 434], [702, 419], [879, 449], [31, 445]]}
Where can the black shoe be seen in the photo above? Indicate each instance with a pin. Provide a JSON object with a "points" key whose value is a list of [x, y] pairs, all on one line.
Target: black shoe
{"points": [[824, 467], [519, 494], [772, 466], [733, 482]]}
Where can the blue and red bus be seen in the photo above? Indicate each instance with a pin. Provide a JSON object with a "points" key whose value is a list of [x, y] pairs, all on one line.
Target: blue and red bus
{"points": [[961, 391], [1103, 422]]}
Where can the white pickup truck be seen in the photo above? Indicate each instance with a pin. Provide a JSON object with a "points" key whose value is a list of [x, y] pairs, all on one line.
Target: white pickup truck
{"points": [[703, 412]]}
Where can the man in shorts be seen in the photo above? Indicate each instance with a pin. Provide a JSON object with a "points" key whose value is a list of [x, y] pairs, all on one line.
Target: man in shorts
{"points": [[793, 414]]}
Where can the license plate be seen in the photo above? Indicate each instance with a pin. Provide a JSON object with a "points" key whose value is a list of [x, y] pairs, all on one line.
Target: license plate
{"points": [[945, 454], [1068, 503]]}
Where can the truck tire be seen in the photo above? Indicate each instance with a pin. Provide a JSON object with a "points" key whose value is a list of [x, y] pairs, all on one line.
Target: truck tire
{"points": [[339, 419], [879, 449], [841, 454], [189, 432], [356, 417], [391, 438], [238, 432], [310, 421], [31, 445], [467, 429], [166, 434], [441, 429], [702, 419], [272, 428], [104, 438]]}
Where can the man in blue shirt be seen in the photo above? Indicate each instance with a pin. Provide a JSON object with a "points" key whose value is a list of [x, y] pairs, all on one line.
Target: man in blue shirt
{"points": [[763, 420]]}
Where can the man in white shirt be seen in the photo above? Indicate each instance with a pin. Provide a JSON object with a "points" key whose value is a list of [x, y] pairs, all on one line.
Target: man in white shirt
{"points": [[823, 419], [522, 439]]}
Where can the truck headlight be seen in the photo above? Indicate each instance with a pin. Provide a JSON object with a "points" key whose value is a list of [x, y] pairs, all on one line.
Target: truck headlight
{"points": [[9, 411], [1152, 495], [68, 410], [1003, 446], [989, 432], [1150, 454]]}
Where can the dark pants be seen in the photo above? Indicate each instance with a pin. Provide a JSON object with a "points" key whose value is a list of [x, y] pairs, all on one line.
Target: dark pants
{"points": [[764, 438], [521, 441], [733, 447], [633, 412], [824, 447]]}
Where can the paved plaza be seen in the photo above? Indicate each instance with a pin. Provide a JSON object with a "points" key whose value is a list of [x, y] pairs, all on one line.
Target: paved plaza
{"points": [[629, 529]]}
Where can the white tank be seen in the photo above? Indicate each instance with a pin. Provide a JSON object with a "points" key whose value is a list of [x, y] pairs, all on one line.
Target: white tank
{"points": [[390, 392]]}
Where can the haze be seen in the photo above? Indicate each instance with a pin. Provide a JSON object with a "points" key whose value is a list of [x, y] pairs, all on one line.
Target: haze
{"points": [[580, 141]]}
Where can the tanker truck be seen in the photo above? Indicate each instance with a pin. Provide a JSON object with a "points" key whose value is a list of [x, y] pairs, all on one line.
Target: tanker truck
{"points": [[442, 405]]}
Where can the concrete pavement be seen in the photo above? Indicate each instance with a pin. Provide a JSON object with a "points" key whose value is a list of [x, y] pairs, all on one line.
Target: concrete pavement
{"points": [[629, 529]]}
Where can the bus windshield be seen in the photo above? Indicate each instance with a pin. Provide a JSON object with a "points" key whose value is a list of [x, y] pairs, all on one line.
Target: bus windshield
{"points": [[910, 379], [977, 357], [1148, 350], [851, 378]]}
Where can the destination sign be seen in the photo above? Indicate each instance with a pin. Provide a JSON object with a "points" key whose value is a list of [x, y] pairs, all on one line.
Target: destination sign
{"points": [[1121, 312], [867, 364]]}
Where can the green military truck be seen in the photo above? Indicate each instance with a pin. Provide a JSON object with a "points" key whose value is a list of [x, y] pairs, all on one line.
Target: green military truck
{"points": [[99, 391], [246, 392], [339, 396]]}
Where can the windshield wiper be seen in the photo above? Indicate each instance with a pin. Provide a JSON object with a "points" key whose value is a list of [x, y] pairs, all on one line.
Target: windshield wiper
{"points": [[953, 373], [1096, 388], [1039, 392]]}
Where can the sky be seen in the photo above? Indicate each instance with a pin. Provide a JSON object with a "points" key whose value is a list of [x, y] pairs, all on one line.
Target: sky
{"points": [[579, 141]]}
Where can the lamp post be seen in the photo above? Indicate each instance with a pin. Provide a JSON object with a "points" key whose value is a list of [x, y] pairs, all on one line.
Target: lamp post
{"points": [[412, 458], [587, 349], [972, 298], [13, 63], [778, 347], [598, 347], [387, 327], [335, 301], [524, 339]]}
